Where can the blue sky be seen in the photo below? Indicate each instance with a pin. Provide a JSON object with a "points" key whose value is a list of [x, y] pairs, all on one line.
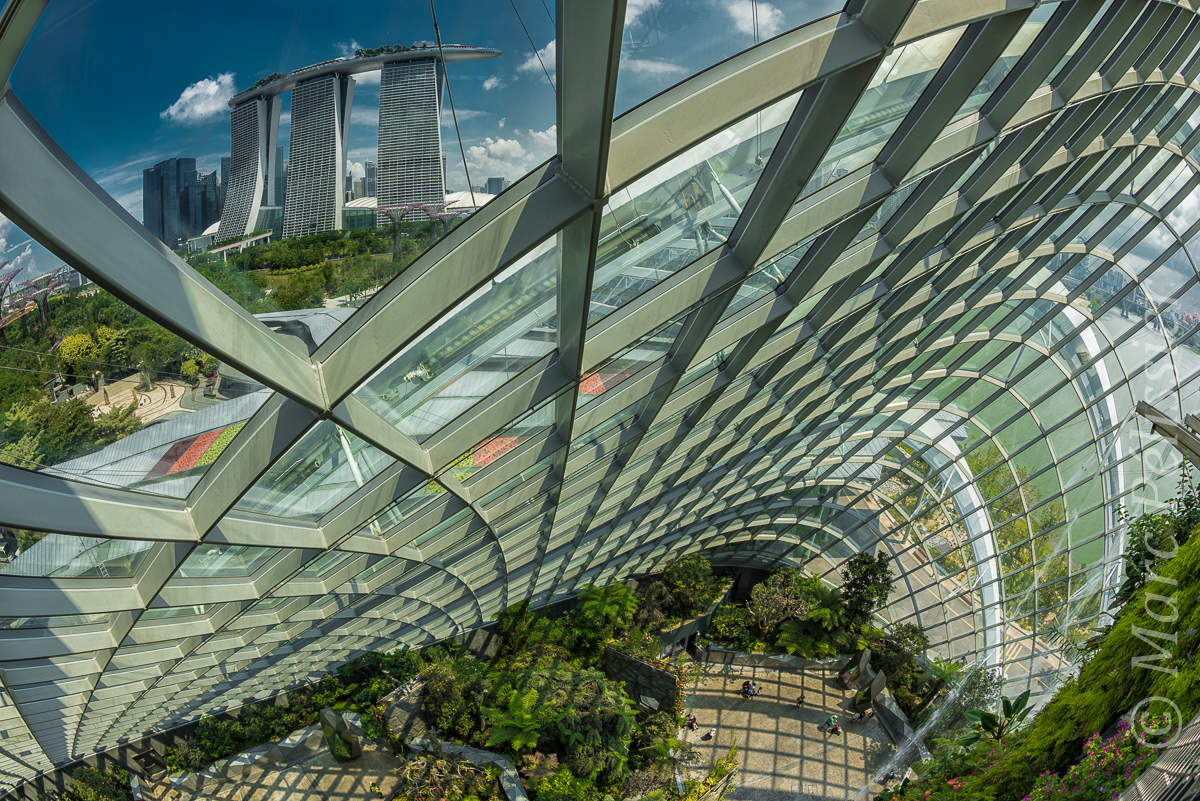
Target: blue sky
{"points": [[122, 84]]}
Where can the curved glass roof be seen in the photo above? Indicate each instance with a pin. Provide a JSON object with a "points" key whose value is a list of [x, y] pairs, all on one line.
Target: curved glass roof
{"points": [[894, 277]]}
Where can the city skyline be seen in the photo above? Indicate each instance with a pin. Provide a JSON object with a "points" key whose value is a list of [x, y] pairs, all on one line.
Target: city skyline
{"points": [[505, 108]]}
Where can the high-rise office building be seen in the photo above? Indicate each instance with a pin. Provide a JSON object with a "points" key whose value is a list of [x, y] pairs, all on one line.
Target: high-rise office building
{"points": [[320, 129], [410, 134], [371, 177], [253, 130], [203, 199], [495, 186], [164, 200]]}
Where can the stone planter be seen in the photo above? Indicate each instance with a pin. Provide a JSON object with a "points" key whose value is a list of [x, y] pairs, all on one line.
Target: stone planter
{"points": [[697, 625], [723, 656]]}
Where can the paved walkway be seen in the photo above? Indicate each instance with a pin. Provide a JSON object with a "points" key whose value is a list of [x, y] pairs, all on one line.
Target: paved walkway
{"points": [[783, 755], [319, 778]]}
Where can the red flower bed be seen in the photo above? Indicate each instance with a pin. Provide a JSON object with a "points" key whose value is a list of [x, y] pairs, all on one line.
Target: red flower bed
{"points": [[493, 449], [195, 451]]}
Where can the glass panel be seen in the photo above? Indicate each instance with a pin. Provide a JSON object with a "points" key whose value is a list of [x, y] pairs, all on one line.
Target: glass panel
{"points": [[91, 390], [175, 611], [211, 560], [893, 90], [57, 621], [502, 328], [686, 207], [1008, 59], [316, 474], [211, 181], [666, 42], [42, 555]]}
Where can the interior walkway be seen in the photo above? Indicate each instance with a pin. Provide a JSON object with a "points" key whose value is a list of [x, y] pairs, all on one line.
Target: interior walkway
{"points": [[783, 754]]}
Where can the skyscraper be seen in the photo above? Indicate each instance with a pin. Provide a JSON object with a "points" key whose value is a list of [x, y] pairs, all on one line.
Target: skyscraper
{"points": [[495, 186], [253, 130], [372, 174], [410, 134], [320, 127], [202, 197], [164, 199]]}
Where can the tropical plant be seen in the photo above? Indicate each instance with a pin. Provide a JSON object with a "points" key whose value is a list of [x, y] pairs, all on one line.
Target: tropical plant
{"points": [[690, 586], [611, 606], [517, 727], [828, 607], [1012, 712], [777, 599], [94, 784], [805, 638], [867, 582]]}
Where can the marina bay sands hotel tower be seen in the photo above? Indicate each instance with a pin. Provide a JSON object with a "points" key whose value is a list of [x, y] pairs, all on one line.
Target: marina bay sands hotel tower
{"points": [[410, 138]]}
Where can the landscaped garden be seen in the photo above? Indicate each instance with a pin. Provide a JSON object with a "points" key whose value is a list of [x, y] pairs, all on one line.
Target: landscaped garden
{"points": [[1081, 745]]}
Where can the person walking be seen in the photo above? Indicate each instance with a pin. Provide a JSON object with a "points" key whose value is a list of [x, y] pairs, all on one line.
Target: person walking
{"points": [[800, 701], [375, 789]]}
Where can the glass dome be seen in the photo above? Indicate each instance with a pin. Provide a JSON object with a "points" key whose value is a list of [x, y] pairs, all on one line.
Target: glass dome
{"points": [[778, 282]]}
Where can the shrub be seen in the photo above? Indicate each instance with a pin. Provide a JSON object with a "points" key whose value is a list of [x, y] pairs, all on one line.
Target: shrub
{"points": [[731, 624], [187, 755], [452, 693], [690, 586], [93, 784]]}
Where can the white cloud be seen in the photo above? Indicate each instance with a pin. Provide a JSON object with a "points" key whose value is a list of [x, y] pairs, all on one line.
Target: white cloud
{"points": [[355, 169], [646, 66], [286, 118], [502, 120], [770, 18], [634, 10], [202, 101], [368, 78], [493, 82], [511, 157], [547, 56], [26, 260], [463, 114], [365, 115]]}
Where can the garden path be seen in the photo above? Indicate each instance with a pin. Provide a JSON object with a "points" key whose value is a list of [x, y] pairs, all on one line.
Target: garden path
{"points": [[783, 756], [319, 778]]}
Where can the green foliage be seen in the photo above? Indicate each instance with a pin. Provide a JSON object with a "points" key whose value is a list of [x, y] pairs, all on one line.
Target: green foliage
{"points": [[897, 655], [690, 586], [1107, 768], [302, 291], [517, 727], [562, 785], [424, 777], [452, 698], [867, 582], [93, 784], [609, 607], [993, 725], [777, 599], [732, 625], [56, 432], [806, 639]]}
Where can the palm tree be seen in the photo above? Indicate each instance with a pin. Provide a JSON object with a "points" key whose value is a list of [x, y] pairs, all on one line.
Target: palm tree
{"points": [[805, 638], [519, 727], [613, 605]]}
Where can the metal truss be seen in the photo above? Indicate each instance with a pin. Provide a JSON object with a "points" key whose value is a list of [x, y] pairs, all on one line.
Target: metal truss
{"points": [[895, 279]]}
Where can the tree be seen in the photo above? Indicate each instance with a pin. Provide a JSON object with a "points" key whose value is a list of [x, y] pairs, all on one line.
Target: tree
{"points": [[608, 607], [805, 638], [78, 349], [775, 600], [867, 582], [689, 583]]}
